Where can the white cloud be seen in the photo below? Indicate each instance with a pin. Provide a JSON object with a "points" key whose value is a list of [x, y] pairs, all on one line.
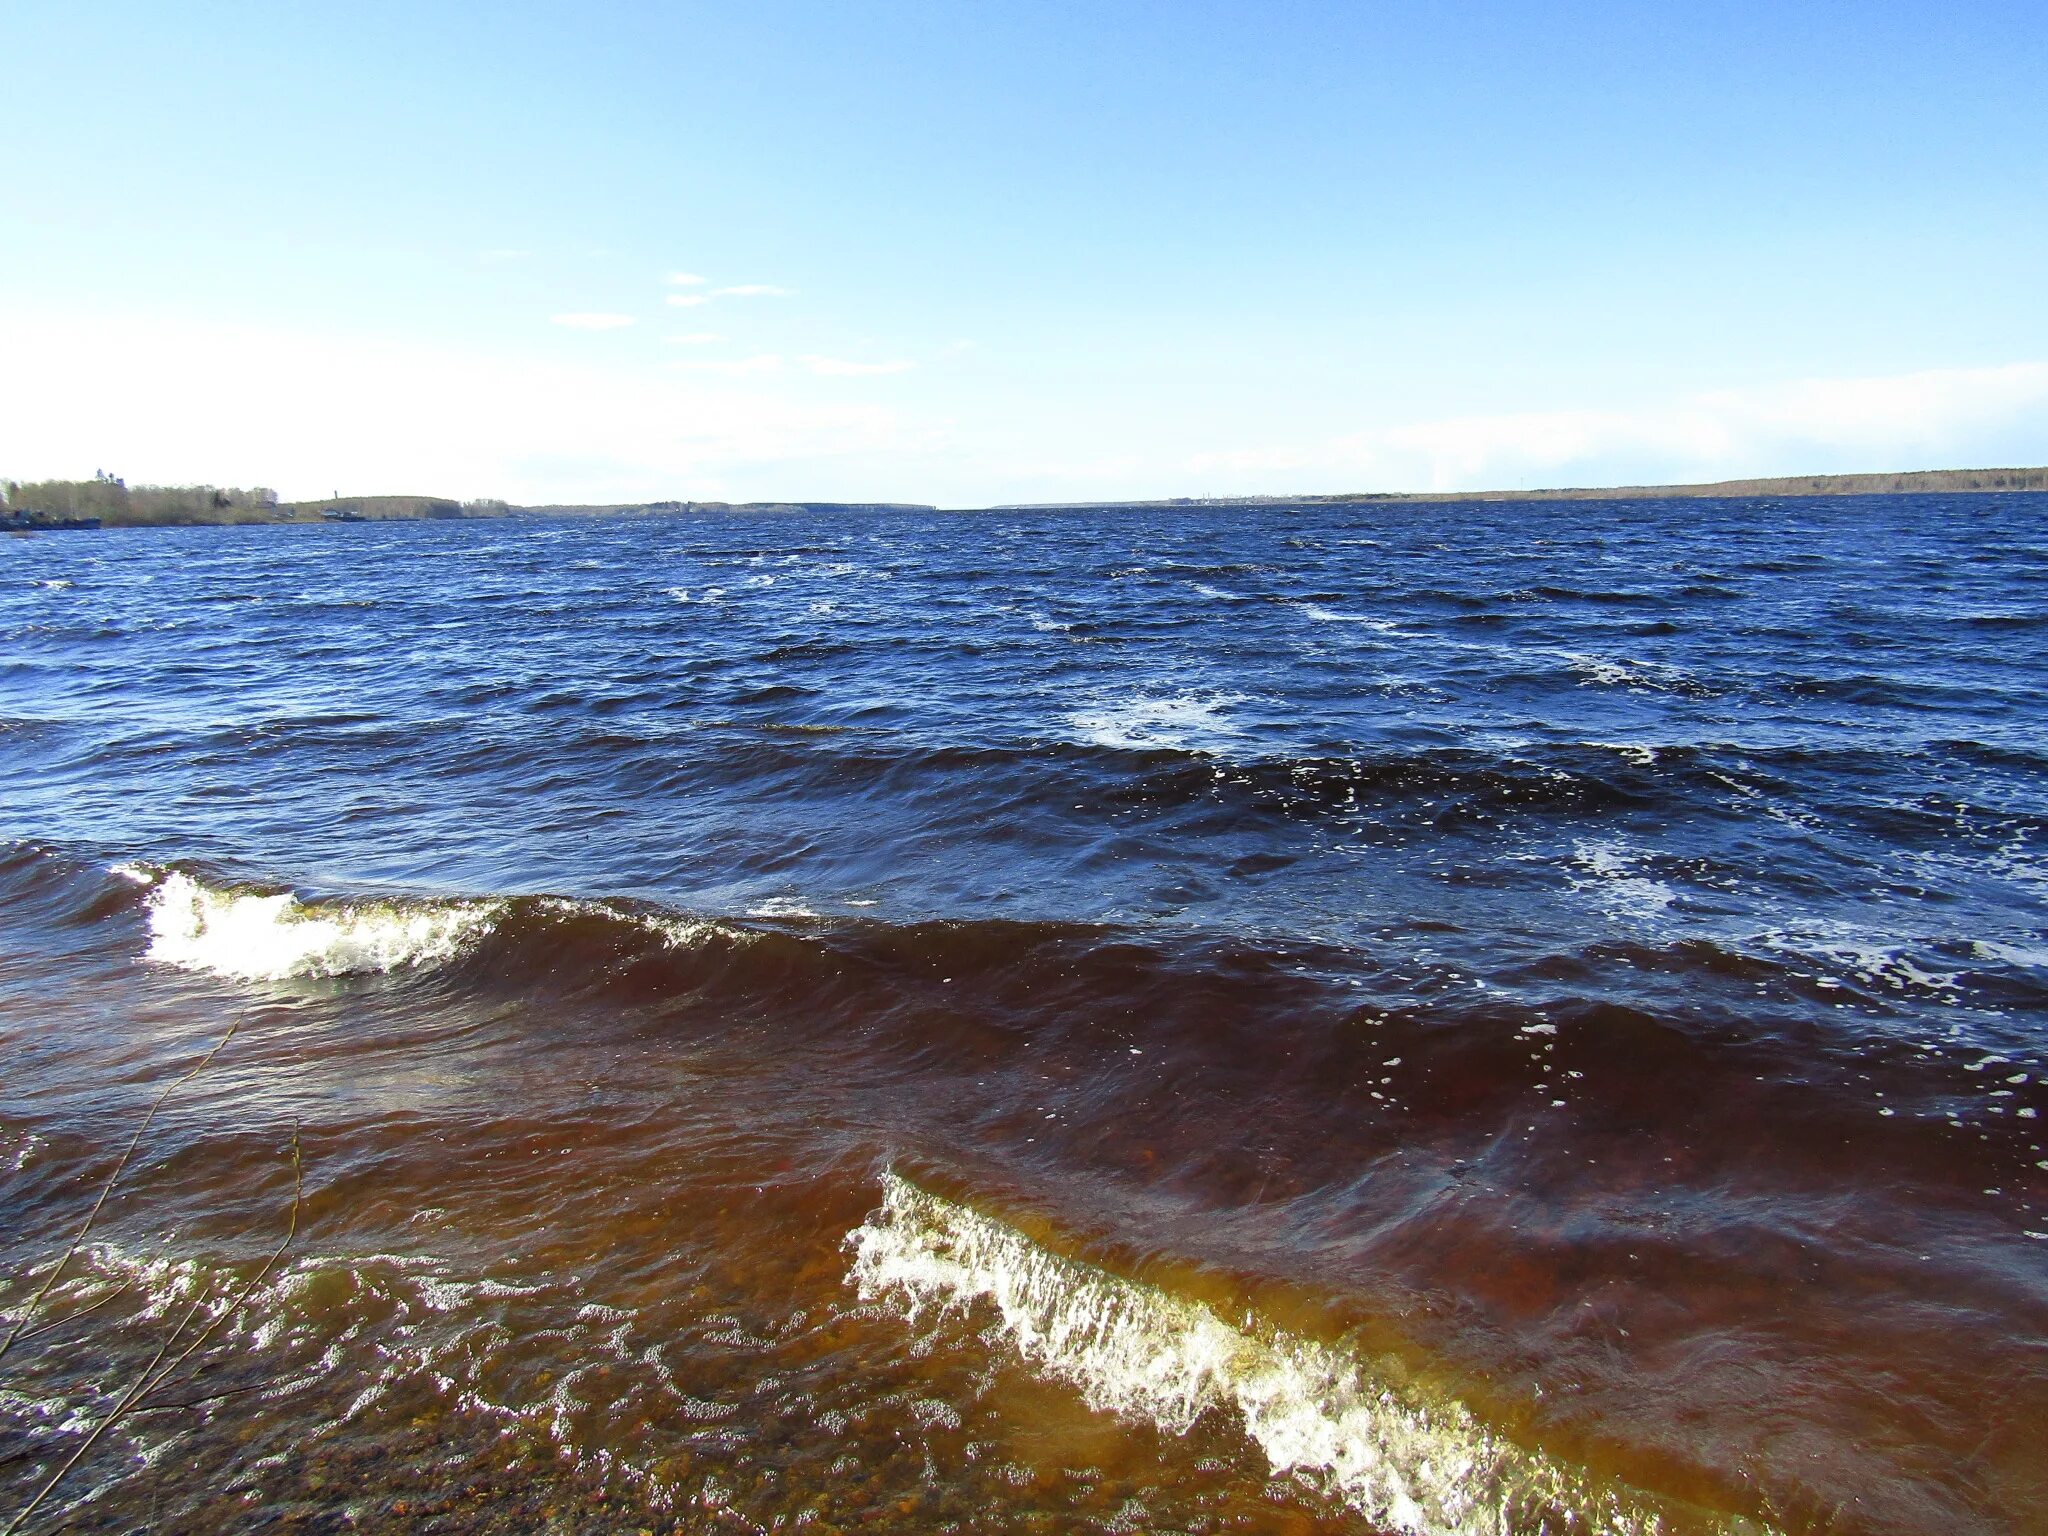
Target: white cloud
{"points": [[767, 362], [695, 338], [688, 300], [755, 291], [1903, 421], [306, 411], [592, 320], [839, 365], [687, 279]]}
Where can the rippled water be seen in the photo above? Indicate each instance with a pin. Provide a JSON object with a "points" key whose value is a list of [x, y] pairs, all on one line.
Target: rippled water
{"points": [[1494, 1018]]}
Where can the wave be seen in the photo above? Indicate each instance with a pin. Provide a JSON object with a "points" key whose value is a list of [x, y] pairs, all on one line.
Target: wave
{"points": [[1422, 1465], [253, 937], [625, 948], [891, 992], [253, 934]]}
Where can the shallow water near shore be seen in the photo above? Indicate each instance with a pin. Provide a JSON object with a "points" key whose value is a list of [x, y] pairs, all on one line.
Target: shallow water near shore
{"points": [[1493, 1018]]}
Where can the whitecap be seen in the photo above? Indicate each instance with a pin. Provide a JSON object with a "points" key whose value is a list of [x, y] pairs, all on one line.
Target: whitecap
{"points": [[1188, 721], [198, 927], [1406, 1460], [2024, 956], [1874, 959], [1631, 673], [1324, 615], [1642, 756], [781, 906], [1617, 888]]}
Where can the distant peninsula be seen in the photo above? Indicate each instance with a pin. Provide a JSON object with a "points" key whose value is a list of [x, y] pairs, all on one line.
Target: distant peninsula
{"points": [[107, 502]]}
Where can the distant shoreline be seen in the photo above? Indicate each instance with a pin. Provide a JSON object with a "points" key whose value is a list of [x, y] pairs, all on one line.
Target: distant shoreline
{"points": [[1904, 483], [54, 505]]}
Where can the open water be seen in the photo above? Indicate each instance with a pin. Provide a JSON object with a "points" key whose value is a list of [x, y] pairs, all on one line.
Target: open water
{"points": [[1483, 1018]]}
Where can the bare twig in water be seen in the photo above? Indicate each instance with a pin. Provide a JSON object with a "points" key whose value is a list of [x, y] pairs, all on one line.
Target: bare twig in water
{"points": [[36, 1301], [127, 1401], [200, 1402], [156, 1373], [249, 1287], [71, 1317]]}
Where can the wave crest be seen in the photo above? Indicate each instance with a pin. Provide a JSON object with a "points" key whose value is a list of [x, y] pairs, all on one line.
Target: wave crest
{"points": [[1427, 1468], [252, 937]]}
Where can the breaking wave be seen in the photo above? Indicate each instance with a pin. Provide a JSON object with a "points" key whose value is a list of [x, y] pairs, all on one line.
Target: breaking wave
{"points": [[253, 937], [1407, 1462]]}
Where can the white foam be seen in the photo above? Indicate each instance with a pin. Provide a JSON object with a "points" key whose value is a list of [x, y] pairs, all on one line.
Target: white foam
{"points": [[19, 1146], [1875, 959], [1627, 672], [1599, 669], [1640, 755], [1324, 615], [689, 932], [677, 930], [2025, 956], [391, 1321], [1616, 888], [1408, 1463], [781, 906], [271, 938], [1181, 720]]}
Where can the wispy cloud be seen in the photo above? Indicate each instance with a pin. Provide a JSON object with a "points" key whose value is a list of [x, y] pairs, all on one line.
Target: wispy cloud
{"points": [[841, 366], [688, 300], [695, 338], [1810, 425], [593, 320], [687, 280], [767, 362], [754, 291]]}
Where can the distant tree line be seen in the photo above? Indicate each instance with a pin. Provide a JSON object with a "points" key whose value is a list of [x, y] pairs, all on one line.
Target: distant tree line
{"points": [[116, 503]]}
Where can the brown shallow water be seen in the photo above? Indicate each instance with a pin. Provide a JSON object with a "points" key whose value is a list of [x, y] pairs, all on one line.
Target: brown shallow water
{"points": [[616, 1222]]}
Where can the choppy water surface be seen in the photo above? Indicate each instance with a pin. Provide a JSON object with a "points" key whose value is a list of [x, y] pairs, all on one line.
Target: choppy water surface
{"points": [[1497, 1018]]}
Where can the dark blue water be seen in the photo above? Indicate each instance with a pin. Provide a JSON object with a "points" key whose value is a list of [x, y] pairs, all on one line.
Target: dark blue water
{"points": [[1573, 972]]}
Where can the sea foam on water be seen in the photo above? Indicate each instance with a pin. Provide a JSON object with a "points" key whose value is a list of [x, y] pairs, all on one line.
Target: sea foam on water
{"points": [[272, 938]]}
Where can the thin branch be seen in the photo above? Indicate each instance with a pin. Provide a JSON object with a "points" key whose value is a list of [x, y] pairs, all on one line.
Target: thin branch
{"points": [[107, 1189], [156, 1373], [71, 1317], [128, 1400], [249, 1288], [201, 1402]]}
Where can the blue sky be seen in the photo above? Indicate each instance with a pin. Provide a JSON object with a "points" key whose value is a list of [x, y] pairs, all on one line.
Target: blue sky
{"points": [[985, 252]]}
